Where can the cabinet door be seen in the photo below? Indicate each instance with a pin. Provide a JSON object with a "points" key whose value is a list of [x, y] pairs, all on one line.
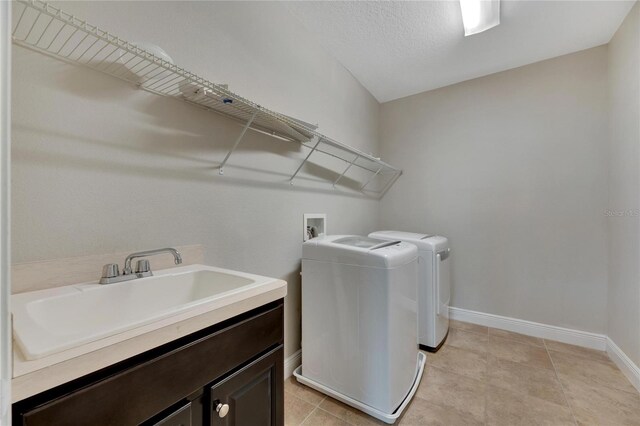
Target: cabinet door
{"points": [[187, 412], [252, 396], [179, 417]]}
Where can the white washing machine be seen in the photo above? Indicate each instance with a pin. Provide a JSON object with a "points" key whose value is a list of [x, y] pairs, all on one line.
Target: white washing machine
{"points": [[434, 289], [359, 322]]}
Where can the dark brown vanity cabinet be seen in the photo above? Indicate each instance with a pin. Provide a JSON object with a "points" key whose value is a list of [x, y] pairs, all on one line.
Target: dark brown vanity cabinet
{"points": [[249, 397], [229, 374]]}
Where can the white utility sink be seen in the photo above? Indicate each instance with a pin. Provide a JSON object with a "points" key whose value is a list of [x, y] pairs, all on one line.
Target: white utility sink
{"points": [[50, 321]]}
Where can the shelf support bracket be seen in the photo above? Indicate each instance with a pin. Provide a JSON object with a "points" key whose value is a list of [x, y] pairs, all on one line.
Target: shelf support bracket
{"points": [[335, 182], [237, 142], [318, 140], [371, 178]]}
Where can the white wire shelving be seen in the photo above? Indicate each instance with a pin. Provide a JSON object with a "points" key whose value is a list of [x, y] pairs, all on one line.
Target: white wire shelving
{"points": [[46, 29]]}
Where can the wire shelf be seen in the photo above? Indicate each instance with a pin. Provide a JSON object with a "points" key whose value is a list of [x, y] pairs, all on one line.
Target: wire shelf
{"points": [[46, 29]]}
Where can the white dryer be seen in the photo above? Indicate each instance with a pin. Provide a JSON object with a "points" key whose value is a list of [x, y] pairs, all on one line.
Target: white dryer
{"points": [[434, 289], [359, 322]]}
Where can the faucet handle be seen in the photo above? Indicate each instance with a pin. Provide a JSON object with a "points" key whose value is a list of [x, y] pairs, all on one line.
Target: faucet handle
{"points": [[142, 266], [110, 270]]}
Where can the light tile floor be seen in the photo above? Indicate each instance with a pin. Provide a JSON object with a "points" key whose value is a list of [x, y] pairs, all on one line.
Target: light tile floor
{"points": [[484, 376]]}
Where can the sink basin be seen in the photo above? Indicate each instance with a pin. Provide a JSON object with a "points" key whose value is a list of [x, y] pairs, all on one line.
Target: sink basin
{"points": [[50, 321]]}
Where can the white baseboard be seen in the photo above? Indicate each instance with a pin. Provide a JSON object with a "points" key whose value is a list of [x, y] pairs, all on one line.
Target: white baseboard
{"points": [[291, 363], [530, 328], [624, 363]]}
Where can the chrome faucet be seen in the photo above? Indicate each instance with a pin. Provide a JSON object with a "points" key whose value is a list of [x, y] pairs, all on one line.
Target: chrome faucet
{"points": [[177, 258], [111, 274]]}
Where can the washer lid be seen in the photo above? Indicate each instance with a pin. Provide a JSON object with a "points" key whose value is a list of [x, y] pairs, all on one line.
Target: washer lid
{"points": [[422, 241], [364, 242], [359, 250], [399, 235]]}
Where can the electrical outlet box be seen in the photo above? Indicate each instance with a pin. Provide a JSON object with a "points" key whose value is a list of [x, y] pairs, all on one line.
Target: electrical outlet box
{"points": [[314, 225]]}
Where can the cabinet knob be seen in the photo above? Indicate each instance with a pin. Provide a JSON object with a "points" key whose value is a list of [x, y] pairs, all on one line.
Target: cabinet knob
{"points": [[222, 409]]}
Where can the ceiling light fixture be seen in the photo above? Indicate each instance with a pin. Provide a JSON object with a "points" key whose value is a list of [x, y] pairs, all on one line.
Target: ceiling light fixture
{"points": [[479, 15]]}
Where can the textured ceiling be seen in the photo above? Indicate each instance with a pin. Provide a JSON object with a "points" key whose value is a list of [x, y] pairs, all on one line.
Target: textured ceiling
{"points": [[399, 48]]}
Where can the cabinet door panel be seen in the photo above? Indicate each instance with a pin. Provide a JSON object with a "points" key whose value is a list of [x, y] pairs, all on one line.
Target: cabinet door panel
{"points": [[180, 417], [253, 394]]}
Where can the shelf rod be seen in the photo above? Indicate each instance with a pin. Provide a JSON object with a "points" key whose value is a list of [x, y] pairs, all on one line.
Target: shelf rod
{"points": [[345, 170], [32, 25], [43, 32], [371, 178], [391, 182], [318, 140], [19, 20], [235, 145], [65, 42], [85, 50], [68, 55]]}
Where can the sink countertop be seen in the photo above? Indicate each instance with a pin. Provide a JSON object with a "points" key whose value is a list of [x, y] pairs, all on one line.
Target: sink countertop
{"points": [[36, 375]]}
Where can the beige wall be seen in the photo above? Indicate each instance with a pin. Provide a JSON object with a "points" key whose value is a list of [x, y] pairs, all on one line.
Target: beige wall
{"points": [[624, 187], [100, 167], [512, 168]]}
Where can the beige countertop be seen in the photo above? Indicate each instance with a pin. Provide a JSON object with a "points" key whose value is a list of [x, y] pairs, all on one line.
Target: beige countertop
{"points": [[35, 376]]}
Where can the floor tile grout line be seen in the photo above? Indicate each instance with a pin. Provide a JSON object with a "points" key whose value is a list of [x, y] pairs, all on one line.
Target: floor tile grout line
{"points": [[317, 407], [587, 359], [581, 357], [455, 373], [334, 415], [293, 395], [488, 333], [564, 393], [591, 382], [322, 400], [439, 404], [518, 341], [314, 404], [486, 380], [471, 331], [488, 352], [597, 361], [519, 362], [308, 415], [516, 333]]}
